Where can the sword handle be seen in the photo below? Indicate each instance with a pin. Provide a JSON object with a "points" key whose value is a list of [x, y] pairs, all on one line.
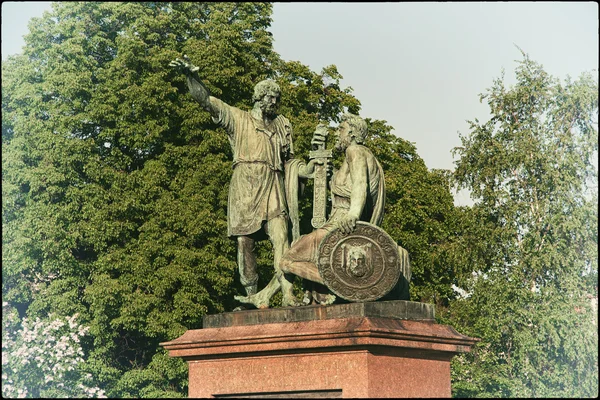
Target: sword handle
{"points": [[320, 187]]}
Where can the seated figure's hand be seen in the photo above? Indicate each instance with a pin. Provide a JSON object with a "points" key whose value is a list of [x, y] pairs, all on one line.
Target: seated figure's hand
{"points": [[347, 224], [183, 65]]}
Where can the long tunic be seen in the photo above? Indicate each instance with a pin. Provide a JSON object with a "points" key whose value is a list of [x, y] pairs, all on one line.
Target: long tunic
{"points": [[256, 191]]}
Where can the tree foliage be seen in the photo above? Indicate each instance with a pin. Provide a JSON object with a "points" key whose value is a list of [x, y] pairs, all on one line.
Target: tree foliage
{"points": [[535, 271], [114, 180]]}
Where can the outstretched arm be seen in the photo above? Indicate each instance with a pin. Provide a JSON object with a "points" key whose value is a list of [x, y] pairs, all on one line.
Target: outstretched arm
{"points": [[197, 89]]}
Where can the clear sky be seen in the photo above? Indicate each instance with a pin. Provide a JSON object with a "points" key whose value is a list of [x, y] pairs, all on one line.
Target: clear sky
{"points": [[419, 66]]}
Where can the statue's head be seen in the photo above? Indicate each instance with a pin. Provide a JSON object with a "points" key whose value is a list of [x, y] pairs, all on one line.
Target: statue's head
{"points": [[352, 127], [266, 95], [358, 127]]}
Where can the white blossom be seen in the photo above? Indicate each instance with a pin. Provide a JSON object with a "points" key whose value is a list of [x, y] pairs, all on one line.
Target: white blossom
{"points": [[33, 360]]}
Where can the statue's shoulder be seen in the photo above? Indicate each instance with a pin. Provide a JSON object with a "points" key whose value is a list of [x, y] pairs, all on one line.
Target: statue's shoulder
{"points": [[283, 124], [358, 150], [283, 120], [221, 106]]}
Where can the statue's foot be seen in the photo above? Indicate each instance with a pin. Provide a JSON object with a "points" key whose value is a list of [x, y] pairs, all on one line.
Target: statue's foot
{"points": [[251, 289], [290, 301], [329, 299], [256, 300], [307, 299], [324, 299]]}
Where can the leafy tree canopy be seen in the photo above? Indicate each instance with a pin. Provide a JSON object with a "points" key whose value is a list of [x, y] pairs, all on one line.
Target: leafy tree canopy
{"points": [[535, 266], [115, 181]]}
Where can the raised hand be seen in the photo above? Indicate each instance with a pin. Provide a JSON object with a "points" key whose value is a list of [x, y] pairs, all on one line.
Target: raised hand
{"points": [[184, 65]]}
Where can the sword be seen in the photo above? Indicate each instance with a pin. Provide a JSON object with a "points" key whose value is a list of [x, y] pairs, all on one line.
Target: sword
{"points": [[319, 153]]}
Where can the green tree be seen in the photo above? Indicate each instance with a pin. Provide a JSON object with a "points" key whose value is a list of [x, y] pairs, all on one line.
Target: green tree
{"points": [[114, 180], [531, 168]]}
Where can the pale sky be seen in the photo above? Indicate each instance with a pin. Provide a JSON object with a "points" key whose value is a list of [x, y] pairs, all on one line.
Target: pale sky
{"points": [[418, 66]]}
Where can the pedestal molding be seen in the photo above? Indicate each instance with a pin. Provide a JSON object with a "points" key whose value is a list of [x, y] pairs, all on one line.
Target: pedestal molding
{"points": [[341, 333]]}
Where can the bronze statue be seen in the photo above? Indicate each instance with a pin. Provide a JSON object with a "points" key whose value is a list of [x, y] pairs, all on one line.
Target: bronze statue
{"points": [[343, 256], [261, 141], [358, 194]]}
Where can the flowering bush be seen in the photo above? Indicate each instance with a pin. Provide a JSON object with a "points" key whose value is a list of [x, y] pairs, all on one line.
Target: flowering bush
{"points": [[43, 358]]}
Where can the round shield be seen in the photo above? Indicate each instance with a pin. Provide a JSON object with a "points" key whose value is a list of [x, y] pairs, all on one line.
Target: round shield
{"points": [[360, 266]]}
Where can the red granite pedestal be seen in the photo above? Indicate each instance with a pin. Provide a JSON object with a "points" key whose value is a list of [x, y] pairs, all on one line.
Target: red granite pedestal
{"points": [[358, 350]]}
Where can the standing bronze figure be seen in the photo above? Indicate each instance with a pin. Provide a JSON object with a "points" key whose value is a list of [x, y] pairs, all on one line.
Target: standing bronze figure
{"points": [[261, 141]]}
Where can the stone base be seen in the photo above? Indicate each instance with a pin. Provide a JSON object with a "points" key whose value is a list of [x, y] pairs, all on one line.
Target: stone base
{"points": [[357, 350]]}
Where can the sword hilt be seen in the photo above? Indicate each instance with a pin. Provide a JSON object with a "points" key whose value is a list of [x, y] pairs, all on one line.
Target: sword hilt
{"points": [[320, 186]]}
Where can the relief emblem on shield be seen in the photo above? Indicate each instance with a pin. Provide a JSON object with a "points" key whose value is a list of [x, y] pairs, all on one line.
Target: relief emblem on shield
{"points": [[361, 266], [357, 259]]}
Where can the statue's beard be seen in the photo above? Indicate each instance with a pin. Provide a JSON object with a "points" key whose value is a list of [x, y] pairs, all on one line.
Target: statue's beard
{"points": [[269, 111], [340, 146]]}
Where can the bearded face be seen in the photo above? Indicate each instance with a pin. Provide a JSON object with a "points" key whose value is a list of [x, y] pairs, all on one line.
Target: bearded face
{"points": [[358, 260], [269, 104], [342, 136], [357, 263]]}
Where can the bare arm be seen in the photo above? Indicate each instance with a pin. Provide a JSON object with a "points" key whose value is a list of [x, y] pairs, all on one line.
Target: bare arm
{"points": [[357, 163], [197, 89], [358, 173]]}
